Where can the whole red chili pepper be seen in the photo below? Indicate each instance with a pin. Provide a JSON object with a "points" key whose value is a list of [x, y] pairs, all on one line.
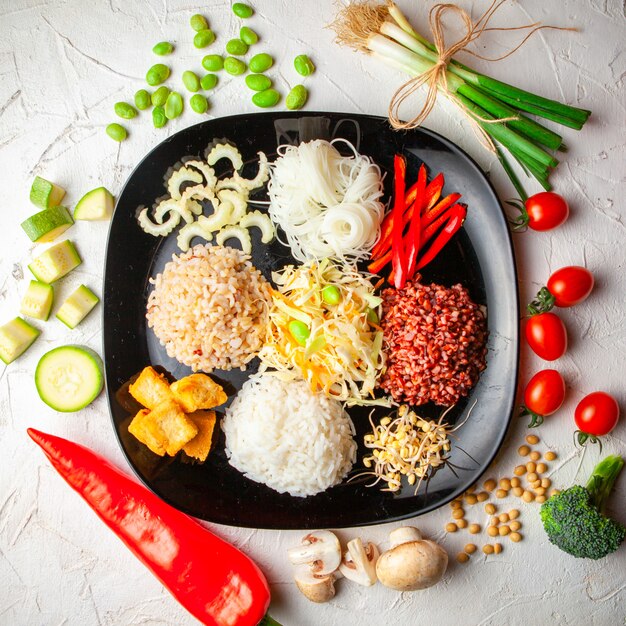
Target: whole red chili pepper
{"points": [[397, 246], [213, 580], [455, 217]]}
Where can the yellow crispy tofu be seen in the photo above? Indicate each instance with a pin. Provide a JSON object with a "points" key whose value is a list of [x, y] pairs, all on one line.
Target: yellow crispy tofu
{"points": [[200, 446], [151, 388], [166, 428], [198, 391]]}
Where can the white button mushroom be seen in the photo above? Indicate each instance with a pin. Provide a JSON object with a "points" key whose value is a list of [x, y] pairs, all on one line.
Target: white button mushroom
{"points": [[411, 563], [315, 588], [359, 562], [320, 550]]}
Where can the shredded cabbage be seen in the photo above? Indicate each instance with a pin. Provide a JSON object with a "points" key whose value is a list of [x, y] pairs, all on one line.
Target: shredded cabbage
{"points": [[328, 205], [343, 355]]}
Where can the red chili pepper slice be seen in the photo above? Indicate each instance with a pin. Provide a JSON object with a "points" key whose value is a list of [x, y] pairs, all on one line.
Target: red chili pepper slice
{"points": [[430, 216], [454, 218], [412, 240], [397, 246], [211, 578], [380, 262]]}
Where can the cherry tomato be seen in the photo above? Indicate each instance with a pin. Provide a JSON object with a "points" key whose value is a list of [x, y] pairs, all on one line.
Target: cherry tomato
{"points": [[543, 396], [546, 210], [547, 336], [570, 285], [596, 414]]}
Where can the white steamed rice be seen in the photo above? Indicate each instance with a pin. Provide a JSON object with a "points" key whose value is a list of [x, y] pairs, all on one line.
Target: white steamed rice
{"points": [[283, 435]]}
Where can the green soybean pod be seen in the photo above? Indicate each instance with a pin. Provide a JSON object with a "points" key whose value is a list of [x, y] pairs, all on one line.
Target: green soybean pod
{"points": [[203, 38], [299, 331], [158, 117], [173, 105], [242, 10], [191, 81], [157, 74], [331, 295], [248, 36], [199, 103], [117, 132], [265, 99], [213, 63], [208, 81], [160, 96], [234, 66], [198, 22], [236, 47], [142, 99], [162, 48], [258, 82], [304, 66], [261, 62], [296, 98], [125, 110]]}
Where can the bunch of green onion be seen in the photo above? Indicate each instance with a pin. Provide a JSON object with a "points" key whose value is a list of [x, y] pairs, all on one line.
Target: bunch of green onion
{"points": [[385, 33]]}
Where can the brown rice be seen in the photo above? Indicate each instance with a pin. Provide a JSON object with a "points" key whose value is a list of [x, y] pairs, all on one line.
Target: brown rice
{"points": [[209, 308]]}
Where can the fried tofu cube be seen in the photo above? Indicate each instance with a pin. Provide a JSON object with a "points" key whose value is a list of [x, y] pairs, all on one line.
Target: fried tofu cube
{"points": [[151, 388], [165, 427], [200, 446], [141, 428], [198, 391]]}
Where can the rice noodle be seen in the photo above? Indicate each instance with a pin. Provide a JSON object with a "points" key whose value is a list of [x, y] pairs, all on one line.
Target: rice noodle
{"points": [[328, 205]]}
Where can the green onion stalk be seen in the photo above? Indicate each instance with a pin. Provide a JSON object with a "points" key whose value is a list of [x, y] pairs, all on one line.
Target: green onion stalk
{"points": [[498, 108]]}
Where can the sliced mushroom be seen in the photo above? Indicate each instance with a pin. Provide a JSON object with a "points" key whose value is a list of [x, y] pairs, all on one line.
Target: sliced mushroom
{"points": [[359, 562], [320, 550], [411, 563], [315, 588]]}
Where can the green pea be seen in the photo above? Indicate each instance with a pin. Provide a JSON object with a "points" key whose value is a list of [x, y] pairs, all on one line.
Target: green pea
{"points": [[117, 132], [234, 66], [208, 81], [191, 81], [331, 295], [304, 66], [125, 110], [296, 98], [160, 96], [258, 82], [198, 22], [213, 63], [173, 105], [372, 316], [198, 103], [236, 47], [266, 98], [158, 117], [203, 38], [248, 36], [299, 331], [242, 10], [157, 74], [142, 99], [162, 48], [261, 62]]}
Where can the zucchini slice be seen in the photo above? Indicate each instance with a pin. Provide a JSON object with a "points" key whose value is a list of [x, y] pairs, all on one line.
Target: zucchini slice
{"points": [[48, 224], [37, 300], [96, 204], [45, 194], [69, 378], [16, 337], [77, 306], [55, 262]]}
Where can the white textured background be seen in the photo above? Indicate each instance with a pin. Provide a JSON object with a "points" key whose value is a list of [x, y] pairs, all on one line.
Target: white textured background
{"points": [[63, 64]]}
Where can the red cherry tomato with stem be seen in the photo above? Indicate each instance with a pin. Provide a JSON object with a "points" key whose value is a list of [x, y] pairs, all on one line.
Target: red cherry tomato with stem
{"points": [[547, 336], [570, 285], [543, 211], [596, 415], [543, 396]]}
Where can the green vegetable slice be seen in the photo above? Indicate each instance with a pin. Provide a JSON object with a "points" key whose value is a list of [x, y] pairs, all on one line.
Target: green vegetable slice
{"points": [[48, 224], [96, 204], [45, 194], [69, 378], [16, 337], [37, 300], [55, 262], [77, 306]]}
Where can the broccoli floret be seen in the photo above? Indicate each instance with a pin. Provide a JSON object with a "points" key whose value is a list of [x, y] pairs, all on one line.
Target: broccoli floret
{"points": [[574, 519]]}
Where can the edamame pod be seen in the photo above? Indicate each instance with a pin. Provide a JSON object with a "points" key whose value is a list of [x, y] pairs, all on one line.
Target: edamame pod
{"points": [[173, 105], [261, 62], [157, 74], [242, 10], [162, 48], [203, 38], [198, 22], [304, 66], [258, 82], [208, 81], [213, 63], [125, 110], [158, 117], [234, 66], [142, 99], [236, 47], [248, 36], [198, 103], [160, 96], [117, 132], [266, 99], [191, 81]]}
